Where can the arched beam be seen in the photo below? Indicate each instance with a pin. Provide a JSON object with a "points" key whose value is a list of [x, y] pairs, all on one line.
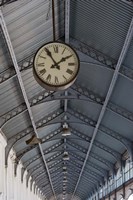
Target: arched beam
{"points": [[97, 157], [100, 170], [49, 159], [38, 174], [31, 161], [73, 115], [47, 96], [35, 158], [102, 58], [92, 175], [50, 149], [70, 119], [56, 116], [123, 140], [31, 173], [115, 154]]}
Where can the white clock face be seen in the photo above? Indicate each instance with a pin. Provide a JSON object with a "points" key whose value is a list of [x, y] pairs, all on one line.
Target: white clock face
{"points": [[56, 64]]}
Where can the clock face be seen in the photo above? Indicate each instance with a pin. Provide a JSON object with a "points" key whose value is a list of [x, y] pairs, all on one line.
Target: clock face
{"points": [[56, 66]]}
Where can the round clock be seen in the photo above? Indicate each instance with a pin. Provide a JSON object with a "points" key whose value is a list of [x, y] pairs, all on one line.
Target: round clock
{"points": [[55, 66]]}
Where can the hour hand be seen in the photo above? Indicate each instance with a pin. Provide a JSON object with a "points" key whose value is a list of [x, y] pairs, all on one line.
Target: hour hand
{"points": [[62, 60]]}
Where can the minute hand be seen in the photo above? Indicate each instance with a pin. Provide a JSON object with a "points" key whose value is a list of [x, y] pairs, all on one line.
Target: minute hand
{"points": [[64, 59], [50, 55]]}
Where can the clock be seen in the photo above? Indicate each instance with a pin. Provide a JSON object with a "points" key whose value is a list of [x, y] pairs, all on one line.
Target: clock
{"points": [[55, 66]]}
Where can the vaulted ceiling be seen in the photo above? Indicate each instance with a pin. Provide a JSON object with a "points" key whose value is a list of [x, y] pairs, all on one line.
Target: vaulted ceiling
{"points": [[97, 108]]}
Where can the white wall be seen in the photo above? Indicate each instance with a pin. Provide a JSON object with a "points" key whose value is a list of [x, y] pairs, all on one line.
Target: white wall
{"points": [[11, 187]]}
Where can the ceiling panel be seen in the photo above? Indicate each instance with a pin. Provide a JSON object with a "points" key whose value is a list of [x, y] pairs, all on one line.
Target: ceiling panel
{"points": [[102, 26]]}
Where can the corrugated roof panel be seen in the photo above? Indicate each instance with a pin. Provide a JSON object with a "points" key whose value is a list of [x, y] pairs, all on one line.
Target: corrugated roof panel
{"points": [[17, 124], [29, 27], [124, 88], [5, 60], [10, 92], [118, 123], [94, 77], [31, 154], [114, 144], [44, 109], [31, 86], [128, 62], [102, 25], [48, 129], [87, 107]]}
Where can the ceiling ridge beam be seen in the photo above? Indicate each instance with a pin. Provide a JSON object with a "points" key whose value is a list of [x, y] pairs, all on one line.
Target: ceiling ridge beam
{"points": [[101, 170], [26, 164], [28, 131], [86, 138], [51, 158], [110, 90], [107, 62], [14, 60], [100, 100], [46, 151], [90, 122], [96, 156]]}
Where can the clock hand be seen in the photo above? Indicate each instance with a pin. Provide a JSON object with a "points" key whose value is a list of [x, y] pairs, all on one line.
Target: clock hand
{"points": [[62, 60], [50, 55]]}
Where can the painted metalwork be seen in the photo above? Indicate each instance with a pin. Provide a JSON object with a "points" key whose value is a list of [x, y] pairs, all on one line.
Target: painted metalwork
{"points": [[70, 119], [107, 61], [78, 153], [48, 150], [4, 2], [115, 154], [28, 131], [77, 92], [111, 87], [13, 57], [97, 157]]}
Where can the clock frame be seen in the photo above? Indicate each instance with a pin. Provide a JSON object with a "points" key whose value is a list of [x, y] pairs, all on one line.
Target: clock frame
{"points": [[55, 86]]}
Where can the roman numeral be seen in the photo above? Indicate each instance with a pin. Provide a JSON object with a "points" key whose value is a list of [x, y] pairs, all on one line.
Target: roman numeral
{"points": [[69, 71], [48, 78], [63, 50], [43, 71], [71, 64], [42, 57], [64, 77], [56, 49], [40, 64], [56, 79]]}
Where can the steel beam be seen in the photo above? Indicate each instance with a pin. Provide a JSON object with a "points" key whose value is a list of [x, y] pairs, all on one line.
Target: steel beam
{"points": [[115, 154], [49, 159], [97, 157], [48, 150], [88, 121], [73, 117], [30, 161], [105, 60], [75, 92], [4, 2], [110, 90], [100, 170], [14, 60]]}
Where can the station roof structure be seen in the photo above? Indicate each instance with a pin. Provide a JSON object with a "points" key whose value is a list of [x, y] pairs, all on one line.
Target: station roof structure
{"points": [[97, 109]]}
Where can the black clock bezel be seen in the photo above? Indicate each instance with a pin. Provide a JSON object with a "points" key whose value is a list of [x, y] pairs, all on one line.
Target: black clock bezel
{"points": [[55, 87]]}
